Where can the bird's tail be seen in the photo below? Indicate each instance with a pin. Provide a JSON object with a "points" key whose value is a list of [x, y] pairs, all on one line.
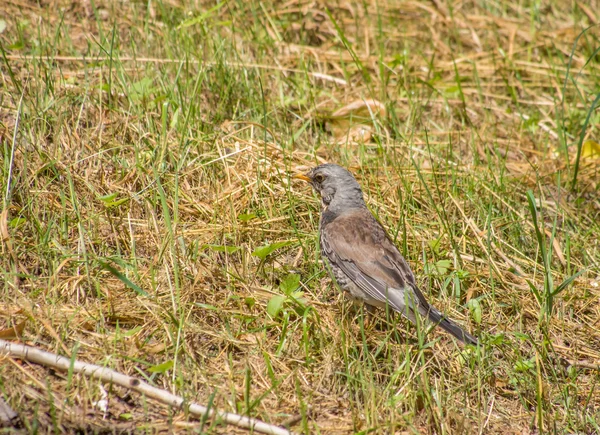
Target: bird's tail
{"points": [[448, 325]]}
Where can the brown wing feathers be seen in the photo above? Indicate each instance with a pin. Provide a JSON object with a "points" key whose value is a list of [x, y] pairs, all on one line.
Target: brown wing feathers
{"points": [[367, 256]]}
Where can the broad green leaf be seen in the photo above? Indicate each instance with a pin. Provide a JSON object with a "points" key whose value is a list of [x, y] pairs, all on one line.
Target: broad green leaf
{"points": [[435, 245], [462, 274], [16, 46], [264, 251], [141, 89], [175, 118], [117, 203], [475, 308], [249, 301], [299, 297], [108, 198], [451, 90], [275, 305], [245, 217], [17, 222], [524, 366], [111, 201], [290, 283], [442, 266], [161, 368], [496, 340]]}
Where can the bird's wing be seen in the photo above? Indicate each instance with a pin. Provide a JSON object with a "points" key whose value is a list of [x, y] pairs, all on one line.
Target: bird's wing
{"points": [[358, 244]]}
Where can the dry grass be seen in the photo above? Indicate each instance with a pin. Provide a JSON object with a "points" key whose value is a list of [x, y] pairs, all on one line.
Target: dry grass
{"points": [[140, 139]]}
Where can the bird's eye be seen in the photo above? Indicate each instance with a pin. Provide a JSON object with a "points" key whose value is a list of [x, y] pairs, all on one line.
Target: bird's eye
{"points": [[319, 178]]}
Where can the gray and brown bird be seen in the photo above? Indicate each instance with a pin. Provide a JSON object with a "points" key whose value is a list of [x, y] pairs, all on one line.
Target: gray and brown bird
{"points": [[363, 259]]}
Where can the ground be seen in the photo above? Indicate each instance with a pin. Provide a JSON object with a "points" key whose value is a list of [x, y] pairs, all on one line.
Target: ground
{"points": [[150, 224]]}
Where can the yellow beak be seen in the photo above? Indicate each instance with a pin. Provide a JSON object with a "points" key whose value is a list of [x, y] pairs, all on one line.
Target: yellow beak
{"points": [[301, 177]]}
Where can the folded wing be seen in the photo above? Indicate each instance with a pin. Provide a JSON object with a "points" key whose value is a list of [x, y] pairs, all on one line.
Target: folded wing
{"points": [[357, 244]]}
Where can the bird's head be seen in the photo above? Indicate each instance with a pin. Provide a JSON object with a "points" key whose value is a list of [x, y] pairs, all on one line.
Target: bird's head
{"points": [[335, 185]]}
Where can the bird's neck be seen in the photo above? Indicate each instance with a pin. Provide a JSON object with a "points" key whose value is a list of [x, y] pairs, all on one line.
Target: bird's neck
{"points": [[342, 201]]}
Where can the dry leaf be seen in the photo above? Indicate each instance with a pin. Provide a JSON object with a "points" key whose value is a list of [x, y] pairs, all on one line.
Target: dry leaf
{"points": [[353, 123], [154, 348], [14, 331], [4, 225], [360, 133], [361, 109], [252, 338], [590, 149]]}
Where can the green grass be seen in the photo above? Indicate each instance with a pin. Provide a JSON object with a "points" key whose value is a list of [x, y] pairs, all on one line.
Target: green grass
{"points": [[147, 150]]}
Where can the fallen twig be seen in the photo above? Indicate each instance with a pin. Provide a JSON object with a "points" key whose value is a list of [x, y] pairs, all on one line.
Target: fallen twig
{"points": [[584, 365], [317, 75], [104, 374]]}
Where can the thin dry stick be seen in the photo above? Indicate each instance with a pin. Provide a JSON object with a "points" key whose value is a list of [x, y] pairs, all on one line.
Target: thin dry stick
{"points": [[104, 374], [316, 75], [584, 364]]}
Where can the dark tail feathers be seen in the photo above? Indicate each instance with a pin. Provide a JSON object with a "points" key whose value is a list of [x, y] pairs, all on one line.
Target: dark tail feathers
{"points": [[448, 325]]}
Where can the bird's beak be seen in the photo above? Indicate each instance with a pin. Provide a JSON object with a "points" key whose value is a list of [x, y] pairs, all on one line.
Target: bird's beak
{"points": [[302, 177]]}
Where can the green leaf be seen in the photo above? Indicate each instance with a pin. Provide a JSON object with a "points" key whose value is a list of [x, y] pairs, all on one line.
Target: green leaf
{"points": [[524, 366], [125, 416], [206, 306], [538, 232], [451, 90], [563, 285], [535, 291], [462, 274], [442, 266], [264, 251], [496, 340], [299, 298], [245, 217], [108, 198], [435, 245], [175, 118], [250, 301], [111, 201], [222, 248], [117, 203], [290, 283], [16, 46], [521, 336], [131, 332], [275, 305], [141, 89], [161, 368], [17, 222], [475, 308], [123, 278]]}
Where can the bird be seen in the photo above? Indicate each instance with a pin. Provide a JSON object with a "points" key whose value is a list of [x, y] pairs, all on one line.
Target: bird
{"points": [[362, 258]]}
